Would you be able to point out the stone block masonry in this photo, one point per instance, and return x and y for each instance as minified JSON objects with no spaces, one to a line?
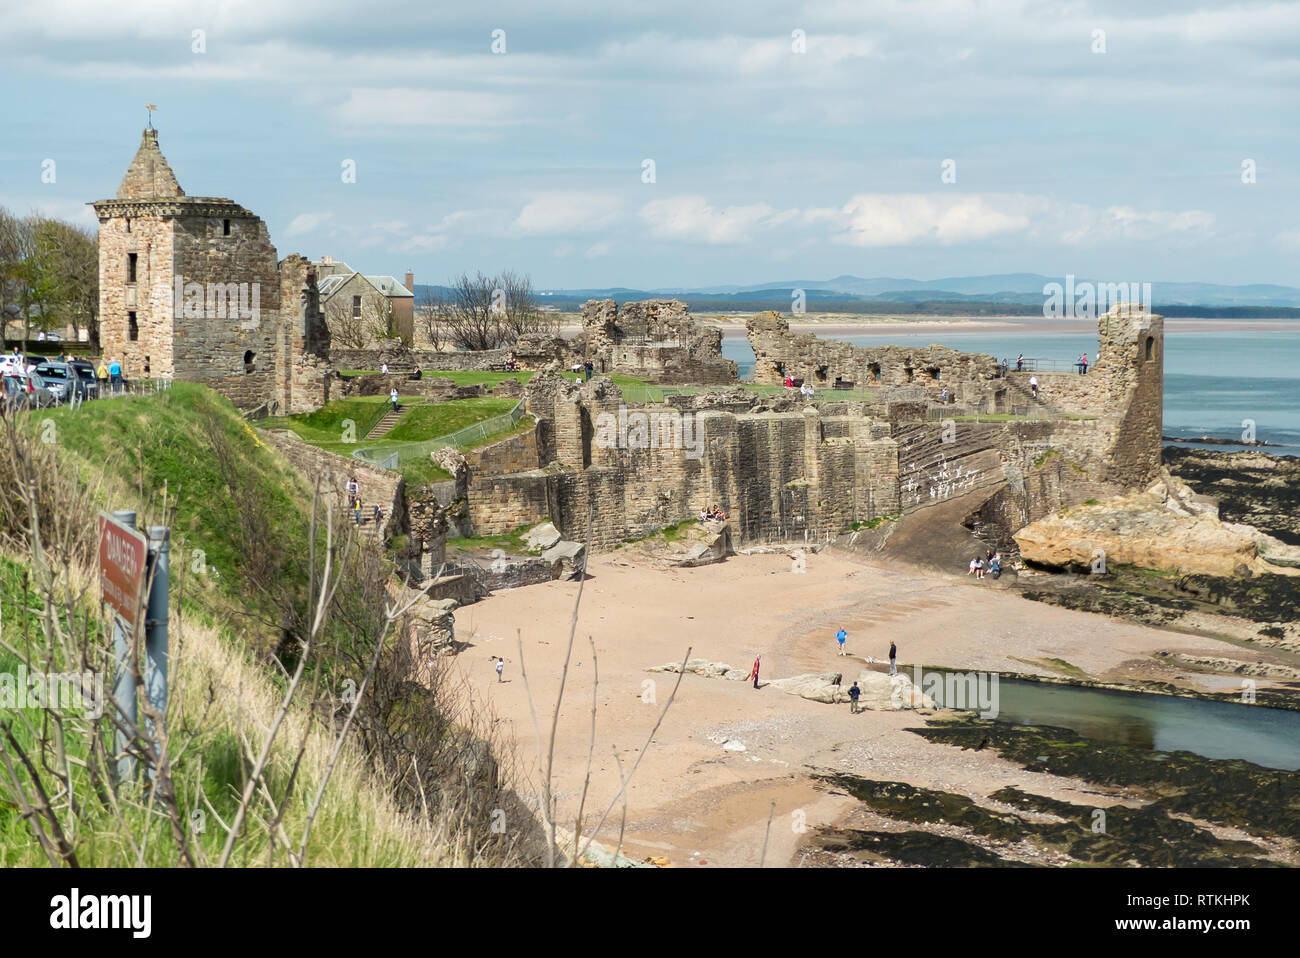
{"x":817,"y":470}
{"x":190,"y":288}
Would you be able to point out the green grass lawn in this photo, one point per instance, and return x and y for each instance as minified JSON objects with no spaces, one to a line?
{"x":430,"y":420}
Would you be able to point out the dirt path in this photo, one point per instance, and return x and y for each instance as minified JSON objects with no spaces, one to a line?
{"x":692,"y":801}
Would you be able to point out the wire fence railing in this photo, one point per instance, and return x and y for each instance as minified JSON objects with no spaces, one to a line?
{"x":108,"y":390}
{"x":392,"y":455}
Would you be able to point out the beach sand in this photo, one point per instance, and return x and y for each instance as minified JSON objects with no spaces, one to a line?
{"x":691,"y":801}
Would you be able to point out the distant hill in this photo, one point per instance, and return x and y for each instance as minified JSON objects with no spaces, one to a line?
{"x":1009,"y":294}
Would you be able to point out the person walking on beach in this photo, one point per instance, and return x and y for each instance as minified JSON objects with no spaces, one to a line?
{"x":893,"y":658}
{"x":841,"y":637}
{"x":500,"y":667}
{"x":753,"y":673}
{"x":854,"y":692}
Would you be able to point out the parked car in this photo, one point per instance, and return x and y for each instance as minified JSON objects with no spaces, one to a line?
{"x":85,"y":371}
{"x":38,"y":394}
{"x":15,"y":394}
{"x":59,"y":379}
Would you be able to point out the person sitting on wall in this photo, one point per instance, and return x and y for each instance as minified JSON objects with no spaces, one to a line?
{"x":789,"y":381}
{"x":416,"y":373}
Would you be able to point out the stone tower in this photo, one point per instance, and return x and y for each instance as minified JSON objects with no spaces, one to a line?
{"x":190,"y":288}
{"x":1131,"y":357}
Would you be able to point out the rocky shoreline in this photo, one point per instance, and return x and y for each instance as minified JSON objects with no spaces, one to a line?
{"x":1193,"y":811}
{"x":1258,"y":609}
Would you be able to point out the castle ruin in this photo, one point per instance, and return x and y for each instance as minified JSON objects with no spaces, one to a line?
{"x":989,"y":460}
{"x":190,"y":288}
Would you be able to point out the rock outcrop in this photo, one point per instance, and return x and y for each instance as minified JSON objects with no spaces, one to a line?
{"x":1166,"y":527}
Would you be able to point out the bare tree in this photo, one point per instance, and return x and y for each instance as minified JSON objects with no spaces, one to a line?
{"x":431,"y":315}
{"x":522,"y":313}
{"x":476,"y":312}
{"x":358,"y":328}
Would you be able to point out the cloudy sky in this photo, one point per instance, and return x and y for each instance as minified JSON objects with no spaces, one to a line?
{"x":593,"y":143}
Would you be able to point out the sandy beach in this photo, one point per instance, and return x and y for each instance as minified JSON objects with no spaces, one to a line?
{"x":693,"y":802}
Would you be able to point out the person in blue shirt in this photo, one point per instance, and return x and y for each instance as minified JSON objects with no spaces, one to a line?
{"x":115,"y":373}
{"x":841,"y":636}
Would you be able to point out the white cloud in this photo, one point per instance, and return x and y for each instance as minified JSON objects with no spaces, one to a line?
{"x":902,"y":219}
{"x":306,"y":223}
{"x":693,"y":219}
{"x":407,"y":107}
{"x":562,"y":212}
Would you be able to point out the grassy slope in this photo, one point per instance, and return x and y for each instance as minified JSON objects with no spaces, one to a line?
{"x":146,"y":444}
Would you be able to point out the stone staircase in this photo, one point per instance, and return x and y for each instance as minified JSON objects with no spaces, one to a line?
{"x":1019,"y":394}
{"x":385,"y":425}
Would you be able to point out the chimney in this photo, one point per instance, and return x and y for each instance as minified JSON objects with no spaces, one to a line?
{"x":329,"y":260}
{"x":410,"y":281}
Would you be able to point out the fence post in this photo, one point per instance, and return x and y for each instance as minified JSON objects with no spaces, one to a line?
{"x":156,"y":616}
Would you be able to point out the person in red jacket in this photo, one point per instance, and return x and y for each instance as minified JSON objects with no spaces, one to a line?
{"x":753,"y":673}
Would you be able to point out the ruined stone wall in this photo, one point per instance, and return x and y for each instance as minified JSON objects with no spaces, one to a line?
{"x":1068,"y":391}
{"x":655,"y":339}
{"x":150,"y":297}
{"x":426,"y":359}
{"x":779,"y":474}
{"x":501,"y":504}
{"x":820,"y":362}
{"x":515,"y":454}
{"x":1132,"y":354}
{"x":213,"y":347}
{"x":378,"y":486}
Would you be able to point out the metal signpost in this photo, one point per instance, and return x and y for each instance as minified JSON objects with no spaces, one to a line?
{"x":126,"y":559}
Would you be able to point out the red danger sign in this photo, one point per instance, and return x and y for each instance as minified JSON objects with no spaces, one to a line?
{"x":122,"y":553}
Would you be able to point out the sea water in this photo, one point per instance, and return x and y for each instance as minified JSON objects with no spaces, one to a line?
{"x":1216,"y":383}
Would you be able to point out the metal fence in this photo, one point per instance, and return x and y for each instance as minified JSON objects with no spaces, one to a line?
{"x":392,"y":455}
{"x":136,"y":387}
{"x":1048,"y":366}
